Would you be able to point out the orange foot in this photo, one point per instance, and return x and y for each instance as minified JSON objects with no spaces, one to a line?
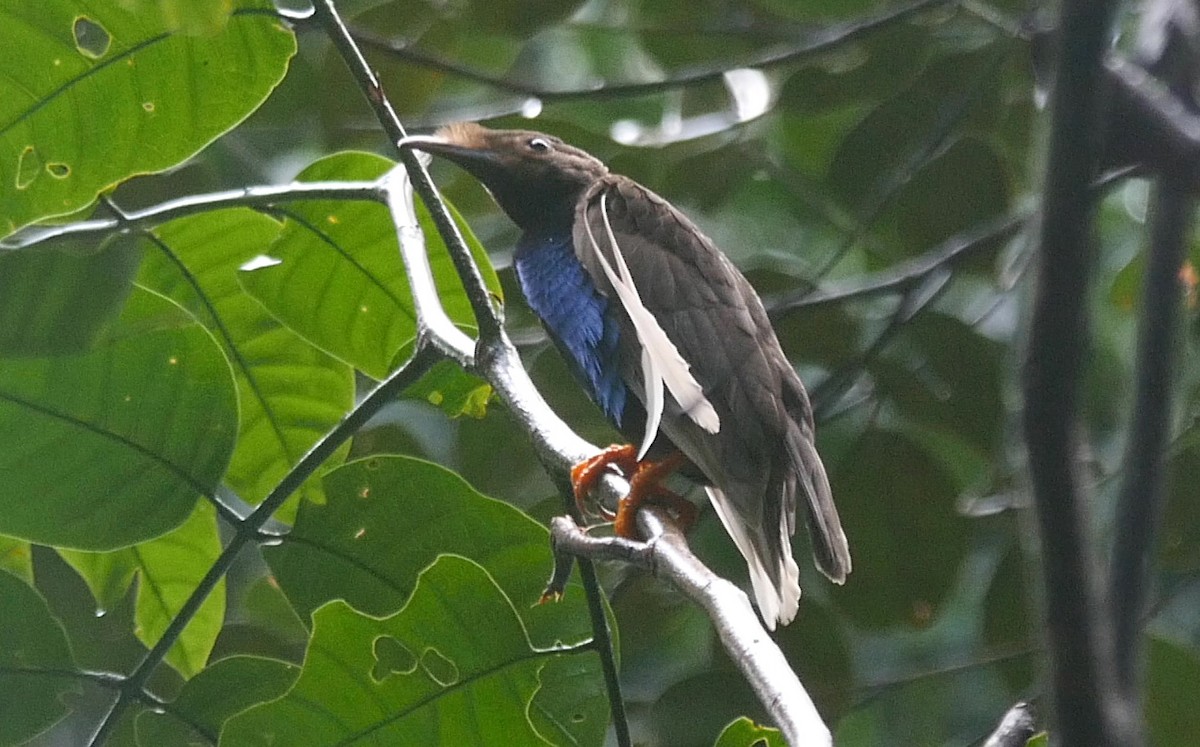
{"x":644,"y":478}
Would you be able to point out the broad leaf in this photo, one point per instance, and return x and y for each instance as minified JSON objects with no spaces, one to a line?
{"x":168,"y":569}
{"x":454,"y":666}
{"x":387,"y":518}
{"x":56,"y":302}
{"x":290,"y":393}
{"x":338,"y":279}
{"x":35,"y":663}
{"x":114,"y":446}
{"x":745,"y":733}
{"x":91,"y":97}
{"x":219,"y":692}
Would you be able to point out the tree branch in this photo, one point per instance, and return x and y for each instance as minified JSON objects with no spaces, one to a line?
{"x":903,"y":275}
{"x":480,"y":299}
{"x":1015,"y":729}
{"x":1085,"y":701}
{"x":666,"y":554}
{"x":820,"y":43}
{"x":1167,"y":45}
{"x":253,"y":197}
{"x":1141,"y":497}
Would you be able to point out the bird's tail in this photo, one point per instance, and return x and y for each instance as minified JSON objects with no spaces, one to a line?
{"x":766,"y":544}
{"x":774,"y":574}
{"x":829,"y":546}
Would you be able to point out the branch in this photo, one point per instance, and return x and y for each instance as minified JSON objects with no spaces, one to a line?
{"x":1015,"y":729}
{"x":666,"y":555}
{"x":820,"y":43}
{"x":480,"y":299}
{"x":496,"y":360}
{"x":1168,"y":46}
{"x":254,"y":197}
{"x":904,"y":275}
{"x":1085,"y":700}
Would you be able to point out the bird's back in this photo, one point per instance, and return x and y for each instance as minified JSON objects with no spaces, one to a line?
{"x":762,"y":458}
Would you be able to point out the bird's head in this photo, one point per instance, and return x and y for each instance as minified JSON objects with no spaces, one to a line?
{"x":535,"y":178}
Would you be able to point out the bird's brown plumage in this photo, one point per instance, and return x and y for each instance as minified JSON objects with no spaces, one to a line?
{"x":763,"y":458}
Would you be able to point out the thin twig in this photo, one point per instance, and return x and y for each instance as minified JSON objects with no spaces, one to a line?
{"x":486,"y":317}
{"x":821,"y":42}
{"x":147,"y":218}
{"x":904,"y":275}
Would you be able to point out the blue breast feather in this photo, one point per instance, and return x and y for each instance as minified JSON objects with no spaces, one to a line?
{"x":560,"y":292}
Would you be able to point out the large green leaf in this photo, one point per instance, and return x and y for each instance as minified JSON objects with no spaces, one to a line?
{"x":290,"y":393}
{"x":339,"y":280}
{"x":387,"y":518}
{"x":91,"y":94}
{"x":169,"y":569}
{"x":454,"y":666}
{"x":113,"y":447}
{"x":35,"y":663}
{"x":226,"y":688}
{"x":54,"y":302}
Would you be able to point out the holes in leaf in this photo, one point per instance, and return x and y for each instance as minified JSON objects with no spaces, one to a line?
{"x":29,"y":165}
{"x":91,"y":39}
{"x":391,"y":657}
{"x":440,"y":669}
{"x":58,"y":170}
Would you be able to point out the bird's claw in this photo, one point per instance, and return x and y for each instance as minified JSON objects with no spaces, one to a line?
{"x":644,"y":485}
{"x":586,"y":475}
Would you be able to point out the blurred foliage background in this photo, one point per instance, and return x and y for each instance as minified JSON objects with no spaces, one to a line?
{"x":873,"y":168}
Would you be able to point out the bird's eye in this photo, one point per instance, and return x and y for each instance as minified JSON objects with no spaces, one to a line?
{"x":539,"y":144}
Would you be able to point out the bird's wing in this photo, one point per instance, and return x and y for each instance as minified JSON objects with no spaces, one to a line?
{"x":661,"y":363}
{"x":715,"y":322}
{"x":699,"y":302}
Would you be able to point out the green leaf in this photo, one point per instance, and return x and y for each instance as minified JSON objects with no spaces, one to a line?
{"x":16,"y":558}
{"x":386,"y":518}
{"x":960,"y":188}
{"x":222,"y":690}
{"x":169,"y":569}
{"x":745,"y":733}
{"x":339,"y":280}
{"x":290,"y":393}
{"x":35,"y":663}
{"x":455,"y":391}
{"x":113,"y":447}
{"x":454,"y":666}
{"x":56,"y":302}
{"x":1172,"y":672}
{"x":113,"y":75}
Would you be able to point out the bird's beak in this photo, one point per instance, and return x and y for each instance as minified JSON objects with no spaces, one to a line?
{"x":465,"y":156}
{"x":427,"y":143}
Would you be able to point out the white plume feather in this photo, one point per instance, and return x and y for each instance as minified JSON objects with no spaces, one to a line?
{"x":661,"y":361}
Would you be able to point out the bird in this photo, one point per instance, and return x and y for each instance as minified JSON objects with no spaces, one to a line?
{"x":671,"y":342}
